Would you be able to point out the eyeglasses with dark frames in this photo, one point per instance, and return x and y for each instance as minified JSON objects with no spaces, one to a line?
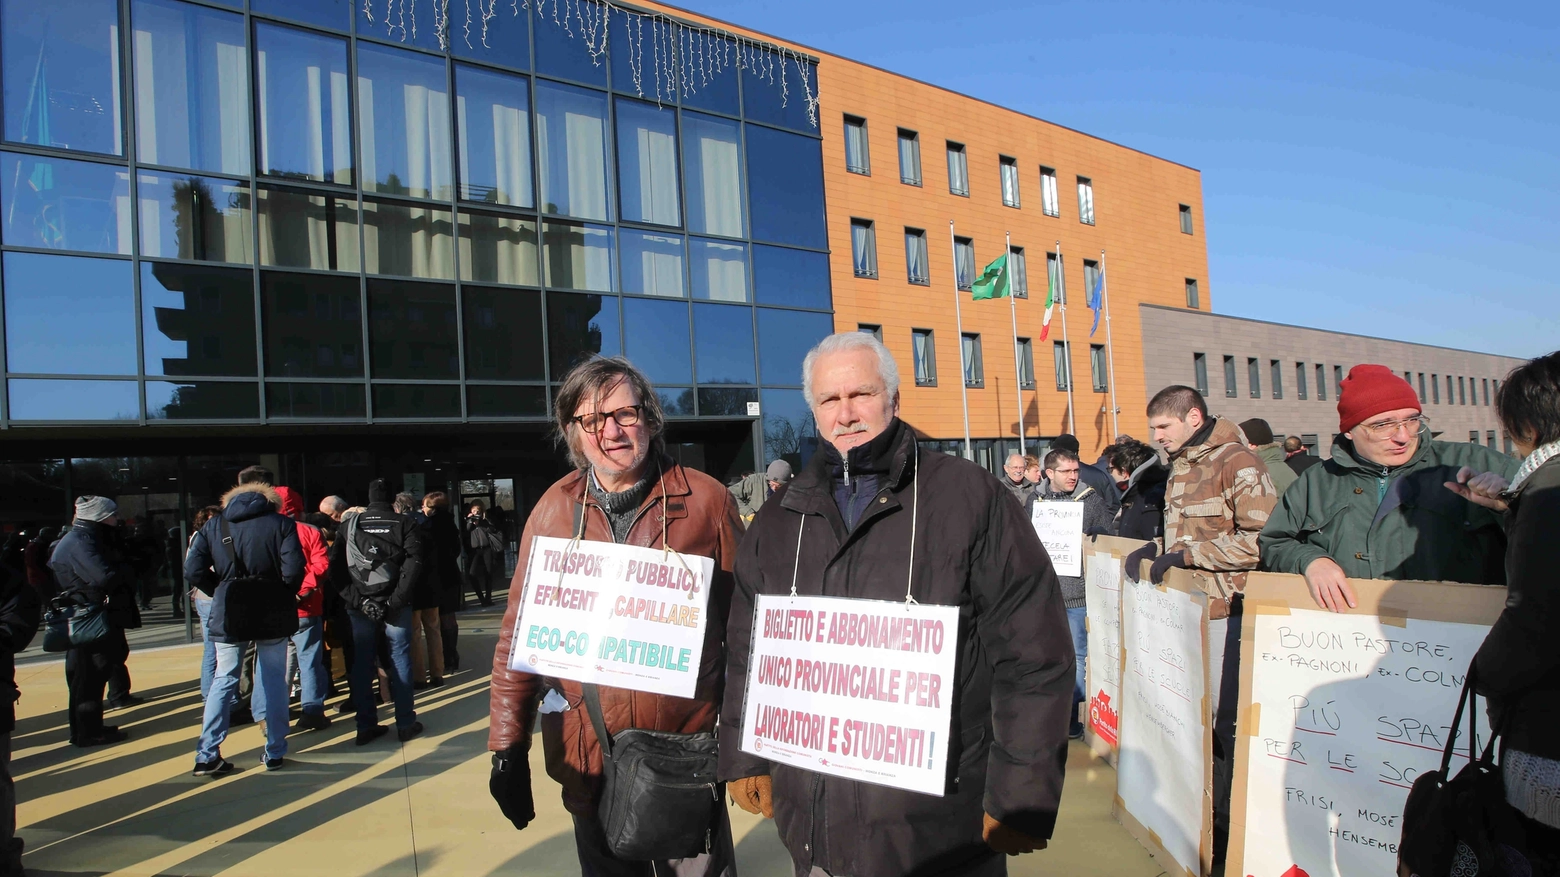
{"x":592,"y":423}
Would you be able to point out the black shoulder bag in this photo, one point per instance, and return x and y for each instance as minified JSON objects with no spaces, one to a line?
{"x":1462,"y":825}
{"x":660,"y":794}
{"x":255,"y":607}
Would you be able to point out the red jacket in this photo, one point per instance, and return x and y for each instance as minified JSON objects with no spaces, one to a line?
{"x":311,"y":600}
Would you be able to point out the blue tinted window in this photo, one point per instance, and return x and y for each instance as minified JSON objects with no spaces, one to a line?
{"x":723,"y":344}
{"x":191,"y":87}
{"x":790,"y":433}
{"x":571,"y":142}
{"x":64,"y":205}
{"x":493,"y":118}
{"x":577,"y":256}
{"x":313,"y":325}
{"x":334,"y":401}
{"x":403,"y":123}
{"x":714,"y":86}
{"x":69,"y":315}
{"x":712,"y":169}
{"x":718,"y":269}
{"x":189,"y":217}
{"x":411,"y":330}
{"x":791,"y":277}
{"x":500,"y":37}
{"x":334,"y":14}
{"x":503,"y":334}
{"x":652,"y":263}
{"x":647,"y":163}
{"x":487,"y":400}
{"x":416,"y":400}
{"x":785,"y":187}
{"x":197,"y":320}
{"x":61,"y":73}
{"x":656,"y":339}
{"x":202,"y":400}
{"x":784,"y":337}
{"x":676,"y":401}
{"x":74,"y":400}
{"x":305,"y":105}
{"x":579,"y":327}
{"x":725,"y":401}
{"x":763,"y":99}
{"x":562,"y":44}
{"x":401,"y":21}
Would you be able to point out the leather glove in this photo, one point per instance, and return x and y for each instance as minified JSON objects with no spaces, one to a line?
{"x":1134,"y":561}
{"x":510,"y":786}
{"x":754,"y":794}
{"x":373,"y":610}
{"x":1006,"y":840}
{"x":1164,"y":563}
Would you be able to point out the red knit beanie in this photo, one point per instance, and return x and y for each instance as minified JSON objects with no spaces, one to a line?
{"x":1370,"y":390}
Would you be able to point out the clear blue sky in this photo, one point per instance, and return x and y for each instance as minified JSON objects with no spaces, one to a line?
{"x":1386,"y":168}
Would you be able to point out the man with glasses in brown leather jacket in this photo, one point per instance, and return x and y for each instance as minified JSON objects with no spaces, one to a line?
{"x":624,"y":490}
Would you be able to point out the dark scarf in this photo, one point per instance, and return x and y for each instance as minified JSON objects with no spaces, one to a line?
{"x":622,"y":507}
{"x":857,"y":475}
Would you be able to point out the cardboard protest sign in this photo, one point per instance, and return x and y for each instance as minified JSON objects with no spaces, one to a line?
{"x":1163,"y":768}
{"x":860,"y":689}
{"x":1060,"y":527}
{"x":1102,"y":577}
{"x":1340,"y":712}
{"x":617,"y":615}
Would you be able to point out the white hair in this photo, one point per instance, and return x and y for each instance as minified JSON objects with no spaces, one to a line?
{"x":841,"y":342}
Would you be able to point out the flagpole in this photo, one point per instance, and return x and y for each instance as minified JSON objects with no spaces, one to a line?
{"x":964,"y":392}
{"x":1061,"y":273}
{"x":1110,"y":354}
{"x":1018,"y":374}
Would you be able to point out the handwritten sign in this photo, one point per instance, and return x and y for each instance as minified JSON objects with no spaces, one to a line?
{"x":1102,"y":576}
{"x":1340,"y":713}
{"x":1163,"y":768}
{"x":860,"y":689}
{"x":618,"y":615}
{"x":1060,"y":527}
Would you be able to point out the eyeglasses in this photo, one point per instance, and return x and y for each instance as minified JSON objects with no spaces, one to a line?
{"x":1388,"y":428}
{"x":628,"y":415}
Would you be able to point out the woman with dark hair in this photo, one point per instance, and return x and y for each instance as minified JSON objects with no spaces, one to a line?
{"x":1518,"y":666}
{"x":1142,"y":512}
{"x":442,"y":579}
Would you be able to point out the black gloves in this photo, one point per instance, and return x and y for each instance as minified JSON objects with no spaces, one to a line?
{"x":510,"y":786}
{"x":1162,"y":565}
{"x":1134,"y":561}
{"x":373,"y":610}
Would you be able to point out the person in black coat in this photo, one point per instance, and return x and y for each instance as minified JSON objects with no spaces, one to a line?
{"x":90,"y":571}
{"x":1297,"y":457}
{"x":441,"y":537}
{"x":1142,"y":513}
{"x":1091,"y":475}
{"x":19,"y":610}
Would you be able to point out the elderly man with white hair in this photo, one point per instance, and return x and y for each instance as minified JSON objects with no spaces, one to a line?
{"x":844,"y":527}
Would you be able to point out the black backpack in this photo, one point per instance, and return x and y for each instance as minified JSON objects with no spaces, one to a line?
{"x":256,"y":607}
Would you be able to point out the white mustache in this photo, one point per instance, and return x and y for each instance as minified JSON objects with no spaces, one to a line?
{"x":847,"y":430}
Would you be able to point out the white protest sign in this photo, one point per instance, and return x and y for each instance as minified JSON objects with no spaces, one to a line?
{"x":1162,"y":768}
{"x":1060,"y":527}
{"x":1340,"y":713}
{"x":1102,"y":576}
{"x":617,"y":615}
{"x":860,"y":689}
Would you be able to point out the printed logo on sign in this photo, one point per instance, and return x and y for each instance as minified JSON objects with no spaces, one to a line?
{"x":1103,"y":718}
{"x":531,"y":660}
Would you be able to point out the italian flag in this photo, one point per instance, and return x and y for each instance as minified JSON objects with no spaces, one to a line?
{"x":1050,"y":304}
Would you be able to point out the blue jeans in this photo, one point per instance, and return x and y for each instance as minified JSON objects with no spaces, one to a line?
{"x":309,"y":642}
{"x":268,"y":700}
{"x":1077,"y":623}
{"x":208,"y":657}
{"x":398,"y":631}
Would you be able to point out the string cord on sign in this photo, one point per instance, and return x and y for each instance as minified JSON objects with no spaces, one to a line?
{"x":915,"y":509}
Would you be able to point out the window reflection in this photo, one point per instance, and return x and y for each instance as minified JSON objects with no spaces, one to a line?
{"x":561,"y":48}
{"x":579,"y":327}
{"x":763,"y":100}
{"x":571,"y":142}
{"x":790,"y":433}
{"x":723,"y":344}
{"x":200,"y":218}
{"x":676,"y":401}
{"x":300,"y":229}
{"x":73,"y":400}
{"x":494,"y":114}
{"x":204,"y":400}
{"x":197,"y":320}
{"x":335,"y":14}
{"x":798,"y":278}
{"x":712,"y":163}
{"x":718,"y":91}
{"x":191,"y":87}
{"x":403,"y":123}
{"x":304,"y":105}
{"x":416,"y":400}
{"x":502,"y":39}
{"x":719,"y":270}
{"x":313,"y":325}
{"x":497,"y":249}
{"x":407,"y":240}
{"x":486,"y":400}
{"x":647,"y":163}
{"x":577,"y":256}
{"x":725,"y":401}
{"x":60,"y":204}
{"x":62,"y":74}
{"x":69,"y":315}
{"x":503,"y":334}
{"x":411,"y":330}
{"x":784,"y":337}
{"x":656,"y":339}
{"x":785,"y":185}
{"x":315,"y":400}
{"x":652,"y":263}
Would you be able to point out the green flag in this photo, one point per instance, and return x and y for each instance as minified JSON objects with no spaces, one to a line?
{"x":993,"y":282}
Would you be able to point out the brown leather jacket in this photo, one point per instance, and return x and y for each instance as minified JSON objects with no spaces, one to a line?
{"x":701,"y":519}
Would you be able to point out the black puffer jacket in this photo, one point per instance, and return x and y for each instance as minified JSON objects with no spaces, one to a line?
{"x":266,"y":540}
{"x":1142,"y":513}
{"x":19,"y":610}
{"x":973,"y":550}
{"x":90,"y":569}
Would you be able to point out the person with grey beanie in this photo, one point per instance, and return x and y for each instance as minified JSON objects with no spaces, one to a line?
{"x":752,"y":490}
{"x":90,"y":571}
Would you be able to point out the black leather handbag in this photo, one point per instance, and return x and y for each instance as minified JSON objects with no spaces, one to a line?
{"x":67,"y":625}
{"x":255,"y":607}
{"x":661,"y":797}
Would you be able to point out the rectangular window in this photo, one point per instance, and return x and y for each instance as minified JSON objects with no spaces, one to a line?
{"x":1300,"y":382}
{"x":1276,"y":373}
{"x":1489,"y":439}
{"x":1485,"y":383}
{"x":1009,"y":168}
{"x":718,"y":270}
{"x":915,"y":257}
{"x":1422,"y":399}
{"x":974,"y":367}
{"x":925,"y":353}
{"x":909,"y":158}
{"x":712,"y":174}
{"x":652,"y":264}
{"x":1186,"y":219}
{"x":857,"y":160}
{"x":1050,"y":204}
{"x":1338,"y":379}
{"x":304,"y":112}
{"x":1229,"y":377}
{"x":191,"y":87}
{"x":1193,"y":300}
{"x":1310,"y":441}
{"x":404,"y":126}
{"x":964,"y":261}
{"x":571,"y":151}
{"x":1053,"y":274}
{"x":1091,"y":276}
{"x":647,"y":163}
{"x":873,"y":330}
{"x":493,"y":124}
{"x":958,"y":170}
{"x":1462,"y":392}
{"x":305,"y":229}
{"x":1435,"y":389}
{"x":1099,"y":369}
{"x":1473,"y":436}
{"x":62,"y":76}
{"x":863,"y":247}
{"x":1018,"y":271}
{"x":1450,"y":398}
{"x":1321,"y":382}
{"x":1063,"y":367}
{"x":1085,"y":201}
{"x":1254,"y":377}
{"x":1200,"y":372}
{"x":198,"y":218}
{"x":1026,"y":364}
